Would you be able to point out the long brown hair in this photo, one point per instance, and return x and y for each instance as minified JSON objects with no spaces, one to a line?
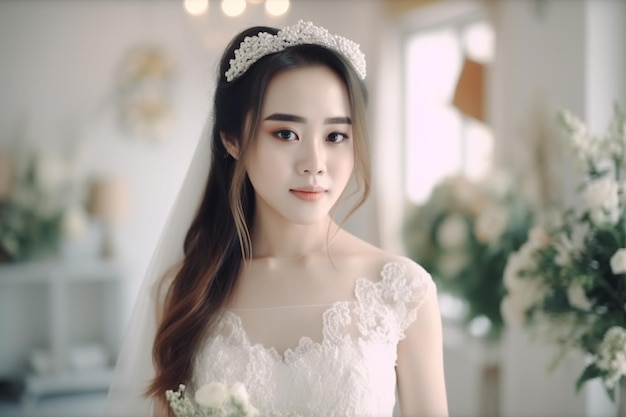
{"x":218,"y":240}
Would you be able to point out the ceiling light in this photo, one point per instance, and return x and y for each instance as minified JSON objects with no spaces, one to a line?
{"x":196,"y":7}
{"x":276,"y":7}
{"x":233,"y":8}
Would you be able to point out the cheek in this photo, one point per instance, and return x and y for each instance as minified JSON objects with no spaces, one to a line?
{"x":344,"y":163}
{"x":265,"y":163}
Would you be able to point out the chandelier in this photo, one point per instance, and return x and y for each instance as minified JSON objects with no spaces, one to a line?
{"x":234,"y":8}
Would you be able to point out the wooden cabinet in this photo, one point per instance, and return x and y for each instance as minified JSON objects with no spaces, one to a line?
{"x":63,"y":318}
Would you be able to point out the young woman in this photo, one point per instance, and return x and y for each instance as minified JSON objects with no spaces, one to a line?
{"x":268,"y":289}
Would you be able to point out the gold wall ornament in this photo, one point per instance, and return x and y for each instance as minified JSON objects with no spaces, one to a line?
{"x":144,"y":83}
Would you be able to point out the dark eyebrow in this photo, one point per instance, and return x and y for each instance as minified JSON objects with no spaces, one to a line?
{"x":338,"y":121}
{"x":282,"y":117}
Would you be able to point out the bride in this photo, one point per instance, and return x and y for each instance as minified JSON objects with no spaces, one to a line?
{"x":254,"y":281}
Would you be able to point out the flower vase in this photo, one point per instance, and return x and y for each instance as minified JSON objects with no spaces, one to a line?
{"x":621,"y":400}
{"x":598,"y":402}
{"x":490,"y":375}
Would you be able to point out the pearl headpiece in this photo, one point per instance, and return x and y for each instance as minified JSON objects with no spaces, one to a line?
{"x":256,"y":47}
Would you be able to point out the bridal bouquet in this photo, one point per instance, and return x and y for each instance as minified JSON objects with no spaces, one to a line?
{"x":214,"y":399}
{"x":567,"y":283}
{"x":463,"y":235}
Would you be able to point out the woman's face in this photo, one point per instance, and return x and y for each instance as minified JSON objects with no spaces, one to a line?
{"x":303,"y":154}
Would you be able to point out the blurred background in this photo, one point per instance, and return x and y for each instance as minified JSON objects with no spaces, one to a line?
{"x":101,"y":106}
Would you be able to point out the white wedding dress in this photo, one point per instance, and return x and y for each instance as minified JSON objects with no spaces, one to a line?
{"x":319,"y":360}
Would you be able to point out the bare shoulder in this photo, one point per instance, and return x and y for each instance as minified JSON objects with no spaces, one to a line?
{"x":370,"y":260}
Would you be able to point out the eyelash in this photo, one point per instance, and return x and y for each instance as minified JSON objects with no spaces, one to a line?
{"x":279,"y":134}
{"x":344,"y":137}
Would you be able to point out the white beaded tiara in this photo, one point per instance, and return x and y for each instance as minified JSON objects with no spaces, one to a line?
{"x":256,"y":47}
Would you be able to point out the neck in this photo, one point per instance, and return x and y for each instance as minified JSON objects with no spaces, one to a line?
{"x":293,"y":240}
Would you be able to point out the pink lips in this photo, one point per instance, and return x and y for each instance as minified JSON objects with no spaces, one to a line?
{"x":308,"y":193}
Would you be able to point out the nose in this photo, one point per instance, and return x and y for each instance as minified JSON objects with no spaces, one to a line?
{"x":313,"y":158}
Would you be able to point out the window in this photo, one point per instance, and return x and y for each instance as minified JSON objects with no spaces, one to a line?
{"x":440,"y":141}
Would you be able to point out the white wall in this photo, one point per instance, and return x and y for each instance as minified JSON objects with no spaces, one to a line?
{"x":606,"y":60}
{"x":59,"y":60}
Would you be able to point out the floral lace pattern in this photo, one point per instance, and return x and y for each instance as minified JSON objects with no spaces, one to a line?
{"x":350,"y":372}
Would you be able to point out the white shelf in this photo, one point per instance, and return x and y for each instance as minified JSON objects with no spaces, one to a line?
{"x":55,"y":306}
{"x":37,"y":386}
{"x":92,"y":270}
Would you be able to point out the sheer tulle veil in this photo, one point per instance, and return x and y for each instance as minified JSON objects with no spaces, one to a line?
{"x":134,"y":369}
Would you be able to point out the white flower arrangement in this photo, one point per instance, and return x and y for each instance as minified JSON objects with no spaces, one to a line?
{"x":463,"y":235}
{"x":214,"y":399}
{"x":567,"y":283}
{"x":39,"y":205}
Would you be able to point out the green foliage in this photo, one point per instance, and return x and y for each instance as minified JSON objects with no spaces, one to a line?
{"x":463,"y":235}
{"x":580,"y":263}
{"x":30,"y":218}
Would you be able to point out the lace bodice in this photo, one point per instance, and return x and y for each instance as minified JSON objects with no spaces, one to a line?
{"x":348,"y":369}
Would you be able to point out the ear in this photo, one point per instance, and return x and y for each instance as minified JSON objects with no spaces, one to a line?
{"x":231,"y":145}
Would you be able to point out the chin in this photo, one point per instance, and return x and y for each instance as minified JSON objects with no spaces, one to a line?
{"x":308,"y":218}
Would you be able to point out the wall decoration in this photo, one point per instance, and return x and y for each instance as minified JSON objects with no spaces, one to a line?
{"x":144,"y":93}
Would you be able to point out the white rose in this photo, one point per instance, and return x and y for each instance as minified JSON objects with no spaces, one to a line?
{"x":252,"y":411}
{"x":239,"y":392}
{"x":491,"y":223}
{"x":212,"y":395}
{"x":576,"y":297}
{"x":602,"y":200}
{"x":517,"y":262}
{"x":618,"y":261}
{"x":601,"y":216}
{"x":452,"y":232}
{"x":523,"y":291}
{"x":537,"y":238}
